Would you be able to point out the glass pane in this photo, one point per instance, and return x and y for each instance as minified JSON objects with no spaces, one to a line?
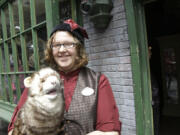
{"x":171,"y":75}
{"x":7,"y":21}
{"x":42,"y":36}
{"x":14,"y":60}
{"x":1,"y":91}
{"x":40,"y":10}
{"x":27,"y":17}
{"x":5,"y":67}
{"x":7,"y":88}
{"x":0,"y":29}
{"x":19,"y":57}
{"x":3,"y":58}
{"x":13,"y":80}
{"x":21,"y":80}
{"x":16,"y":16}
{"x":19,"y":54}
{"x":9,"y":58}
{"x":65,"y":9}
{"x":4,"y":80}
{"x":29,"y":44}
{"x":11,"y":61}
{"x":17,"y":80}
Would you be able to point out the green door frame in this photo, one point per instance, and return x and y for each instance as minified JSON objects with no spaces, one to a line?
{"x":140,"y":66}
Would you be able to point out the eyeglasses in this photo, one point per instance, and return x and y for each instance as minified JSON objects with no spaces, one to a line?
{"x":65,"y":45}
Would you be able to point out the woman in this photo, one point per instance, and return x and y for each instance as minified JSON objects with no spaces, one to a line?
{"x":90,"y":107}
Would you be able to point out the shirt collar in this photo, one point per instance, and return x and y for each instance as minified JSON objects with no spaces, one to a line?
{"x":69,"y":74}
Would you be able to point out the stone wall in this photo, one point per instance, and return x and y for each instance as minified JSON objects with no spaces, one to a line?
{"x":109,"y":52}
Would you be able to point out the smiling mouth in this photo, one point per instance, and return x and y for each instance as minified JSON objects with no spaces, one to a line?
{"x":63,"y":57}
{"x":51,"y":92}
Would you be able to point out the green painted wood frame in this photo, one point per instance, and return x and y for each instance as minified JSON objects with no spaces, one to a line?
{"x":52,"y":19}
{"x":140,"y":66}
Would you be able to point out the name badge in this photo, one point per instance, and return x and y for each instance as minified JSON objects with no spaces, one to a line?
{"x":87,"y":91}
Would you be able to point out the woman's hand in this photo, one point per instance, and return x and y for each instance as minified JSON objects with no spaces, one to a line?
{"x":10,"y":132}
{"x":103,"y":133}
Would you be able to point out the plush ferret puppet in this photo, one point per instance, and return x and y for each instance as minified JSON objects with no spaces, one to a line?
{"x":42,"y":113}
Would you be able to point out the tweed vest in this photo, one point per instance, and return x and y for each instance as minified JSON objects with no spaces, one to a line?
{"x":81,"y":115}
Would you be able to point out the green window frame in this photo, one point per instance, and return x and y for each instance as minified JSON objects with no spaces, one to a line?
{"x":9,"y":48}
{"x":140,"y":65}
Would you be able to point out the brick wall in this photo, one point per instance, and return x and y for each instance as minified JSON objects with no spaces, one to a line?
{"x":109,"y":52}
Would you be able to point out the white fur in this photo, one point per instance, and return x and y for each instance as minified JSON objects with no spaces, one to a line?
{"x":39,"y":90}
{"x":43,"y":111}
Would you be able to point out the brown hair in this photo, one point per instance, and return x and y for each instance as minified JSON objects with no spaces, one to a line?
{"x":82,"y":56}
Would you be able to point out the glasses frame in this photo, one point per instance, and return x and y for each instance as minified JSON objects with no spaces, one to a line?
{"x":65,"y":45}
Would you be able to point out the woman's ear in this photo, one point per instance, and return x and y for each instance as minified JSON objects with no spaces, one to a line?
{"x":27,"y":82}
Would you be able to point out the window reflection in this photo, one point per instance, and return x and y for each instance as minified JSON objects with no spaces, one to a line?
{"x":11,"y":58}
{"x":27,"y":15}
{"x":30,"y":51}
{"x":42,"y":38}
{"x":7,"y":57}
{"x":1,"y":91}
{"x":16,"y":16}
{"x":171,"y":75}
{"x":3,"y":58}
{"x":17,"y":80}
{"x":40,"y":10}
{"x":19,"y":53}
{"x":0,"y":30}
{"x":41,"y":47}
{"x":65,"y":9}
{"x":7,"y":87}
{"x":7,"y":21}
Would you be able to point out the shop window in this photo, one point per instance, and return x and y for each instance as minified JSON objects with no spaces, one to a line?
{"x":65,"y":9}
{"x":24,"y":29}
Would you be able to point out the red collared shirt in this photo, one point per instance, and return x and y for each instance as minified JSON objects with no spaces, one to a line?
{"x":107,"y":111}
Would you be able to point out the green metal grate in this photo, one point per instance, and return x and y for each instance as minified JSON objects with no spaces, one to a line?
{"x":25,"y":26}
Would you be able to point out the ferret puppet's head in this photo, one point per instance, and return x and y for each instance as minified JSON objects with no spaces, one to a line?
{"x":46,"y":90}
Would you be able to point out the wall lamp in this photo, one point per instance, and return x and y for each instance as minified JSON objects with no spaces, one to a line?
{"x":98,"y":11}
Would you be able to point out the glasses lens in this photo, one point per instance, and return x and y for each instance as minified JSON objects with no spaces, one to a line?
{"x":65,"y":45}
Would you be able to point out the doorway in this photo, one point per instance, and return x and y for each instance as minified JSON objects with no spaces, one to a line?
{"x":163,"y":34}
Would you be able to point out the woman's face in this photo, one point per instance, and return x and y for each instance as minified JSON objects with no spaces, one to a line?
{"x":64,"y":57}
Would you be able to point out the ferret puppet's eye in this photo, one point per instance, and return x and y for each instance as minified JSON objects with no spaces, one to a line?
{"x":42,"y":80}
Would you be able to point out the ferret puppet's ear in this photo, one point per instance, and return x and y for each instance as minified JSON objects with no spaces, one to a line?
{"x":27,"y":82}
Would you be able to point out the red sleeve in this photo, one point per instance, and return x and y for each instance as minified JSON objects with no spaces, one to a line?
{"x":107,"y":111}
{"x":18,"y":107}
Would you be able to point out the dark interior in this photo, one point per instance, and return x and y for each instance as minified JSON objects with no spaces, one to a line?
{"x":162,"y":19}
